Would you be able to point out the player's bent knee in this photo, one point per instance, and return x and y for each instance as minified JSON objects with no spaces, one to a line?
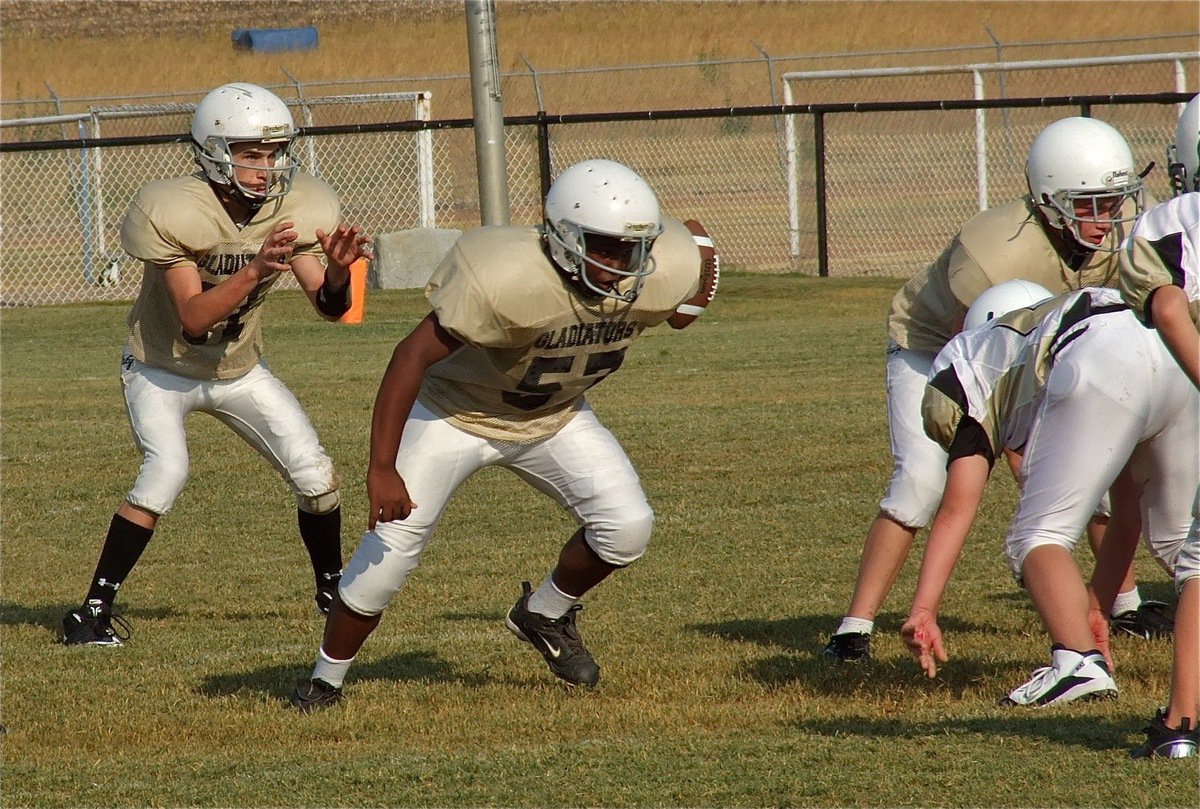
{"x":319,"y":503}
{"x":375,"y":573}
{"x":911,"y":503}
{"x":1017,"y":550}
{"x":624,"y":541}
{"x":312,"y":475}
{"x":158,"y":487}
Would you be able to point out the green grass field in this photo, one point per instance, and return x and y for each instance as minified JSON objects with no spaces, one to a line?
{"x":760,"y":437}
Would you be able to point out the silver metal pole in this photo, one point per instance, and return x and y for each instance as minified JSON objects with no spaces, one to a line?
{"x":488,"y":112}
{"x":981,"y":163}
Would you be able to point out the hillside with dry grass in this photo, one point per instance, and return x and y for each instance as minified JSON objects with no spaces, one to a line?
{"x":78,"y":49}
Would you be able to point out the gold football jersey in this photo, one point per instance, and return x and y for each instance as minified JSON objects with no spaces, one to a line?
{"x":180,"y":221}
{"x":532,"y":343}
{"x":996,"y":245}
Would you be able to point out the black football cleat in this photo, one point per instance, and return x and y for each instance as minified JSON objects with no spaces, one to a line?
{"x":556,"y":638}
{"x":92,"y":625}
{"x":314,"y":695}
{"x":848,"y":647}
{"x":1164,"y":742}
{"x":1150,"y":621}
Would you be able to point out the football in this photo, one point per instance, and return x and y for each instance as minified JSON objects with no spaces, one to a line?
{"x":710,"y":277}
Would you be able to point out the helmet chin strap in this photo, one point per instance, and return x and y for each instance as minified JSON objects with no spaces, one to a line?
{"x":1055,"y":219}
{"x":231,"y":194}
{"x":1072,"y":249}
{"x":576,"y":272}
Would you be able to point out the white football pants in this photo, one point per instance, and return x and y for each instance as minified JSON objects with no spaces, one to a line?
{"x":919,"y":462}
{"x":582,"y":467}
{"x":256,"y":406}
{"x":1113,"y":396}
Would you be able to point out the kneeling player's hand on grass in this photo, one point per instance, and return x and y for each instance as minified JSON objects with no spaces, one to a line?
{"x":923,"y":637}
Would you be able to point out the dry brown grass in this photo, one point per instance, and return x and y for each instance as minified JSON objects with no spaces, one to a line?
{"x":134,"y":47}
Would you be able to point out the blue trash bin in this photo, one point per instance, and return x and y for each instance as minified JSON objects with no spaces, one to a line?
{"x":272,"y":40}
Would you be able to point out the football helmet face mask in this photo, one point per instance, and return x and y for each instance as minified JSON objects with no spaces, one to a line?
{"x":1003,"y":298}
{"x":240,"y":113}
{"x":1080,"y":172}
{"x":1183,"y":156}
{"x":605,"y":202}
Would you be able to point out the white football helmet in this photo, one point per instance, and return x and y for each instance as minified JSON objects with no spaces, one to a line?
{"x":605,"y":198}
{"x":1183,"y":156}
{"x":241,"y":112}
{"x":1082,"y":159}
{"x":1003,"y":298}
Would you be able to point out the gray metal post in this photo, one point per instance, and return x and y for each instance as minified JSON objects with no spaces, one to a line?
{"x":488,"y":112}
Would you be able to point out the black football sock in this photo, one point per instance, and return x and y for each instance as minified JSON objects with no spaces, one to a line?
{"x":322,"y":535}
{"x":122,"y":548}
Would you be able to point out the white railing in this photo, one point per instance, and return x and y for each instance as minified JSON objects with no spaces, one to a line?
{"x":978,"y":74}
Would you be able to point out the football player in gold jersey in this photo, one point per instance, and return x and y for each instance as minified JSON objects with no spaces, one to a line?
{"x":213,"y":244}
{"x":524,"y":321}
{"x":1084,"y":192}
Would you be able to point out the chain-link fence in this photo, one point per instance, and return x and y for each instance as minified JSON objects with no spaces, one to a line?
{"x":708,"y":81}
{"x":878,"y":190}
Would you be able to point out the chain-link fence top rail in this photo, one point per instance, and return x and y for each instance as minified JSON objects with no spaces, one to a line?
{"x":705,"y":82}
{"x":898,"y":183}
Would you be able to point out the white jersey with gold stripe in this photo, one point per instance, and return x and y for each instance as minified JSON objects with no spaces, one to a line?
{"x":1164,"y":250}
{"x":532,"y":342}
{"x":995,"y":374}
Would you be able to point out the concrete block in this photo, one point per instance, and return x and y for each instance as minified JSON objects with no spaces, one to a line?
{"x":404,"y":259}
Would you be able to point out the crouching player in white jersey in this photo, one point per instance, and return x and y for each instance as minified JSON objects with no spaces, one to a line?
{"x":213,"y":244}
{"x":1107,"y":402}
{"x":524,"y":321}
{"x":1084,"y":192}
{"x":1160,"y":279}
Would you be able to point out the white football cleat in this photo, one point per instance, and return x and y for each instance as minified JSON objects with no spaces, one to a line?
{"x":1072,"y":675}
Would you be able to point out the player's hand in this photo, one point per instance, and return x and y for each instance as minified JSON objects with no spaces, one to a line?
{"x":344,"y":246}
{"x":388,"y":497}
{"x":276,"y":251}
{"x":923,"y":637}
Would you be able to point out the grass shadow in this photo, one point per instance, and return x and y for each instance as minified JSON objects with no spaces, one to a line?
{"x":416,"y":666}
{"x":49,"y":616}
{"x":877,"y":676}
{"x":809,"y":633}
{"x":803,"y":637}
{"x":483,"y":616}
{"x":1099,"y":733}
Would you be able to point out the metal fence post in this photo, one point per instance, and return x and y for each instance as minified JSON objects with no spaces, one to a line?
{"x":98,"y":208}
{"x":425,"y":189}
{"x":306,"y":115}
{"x":491,"y":165}
{"x":793,"y":191}
{"x":981,"y":175}
{"x":822,"y":228}
{"x":83,"y":199}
